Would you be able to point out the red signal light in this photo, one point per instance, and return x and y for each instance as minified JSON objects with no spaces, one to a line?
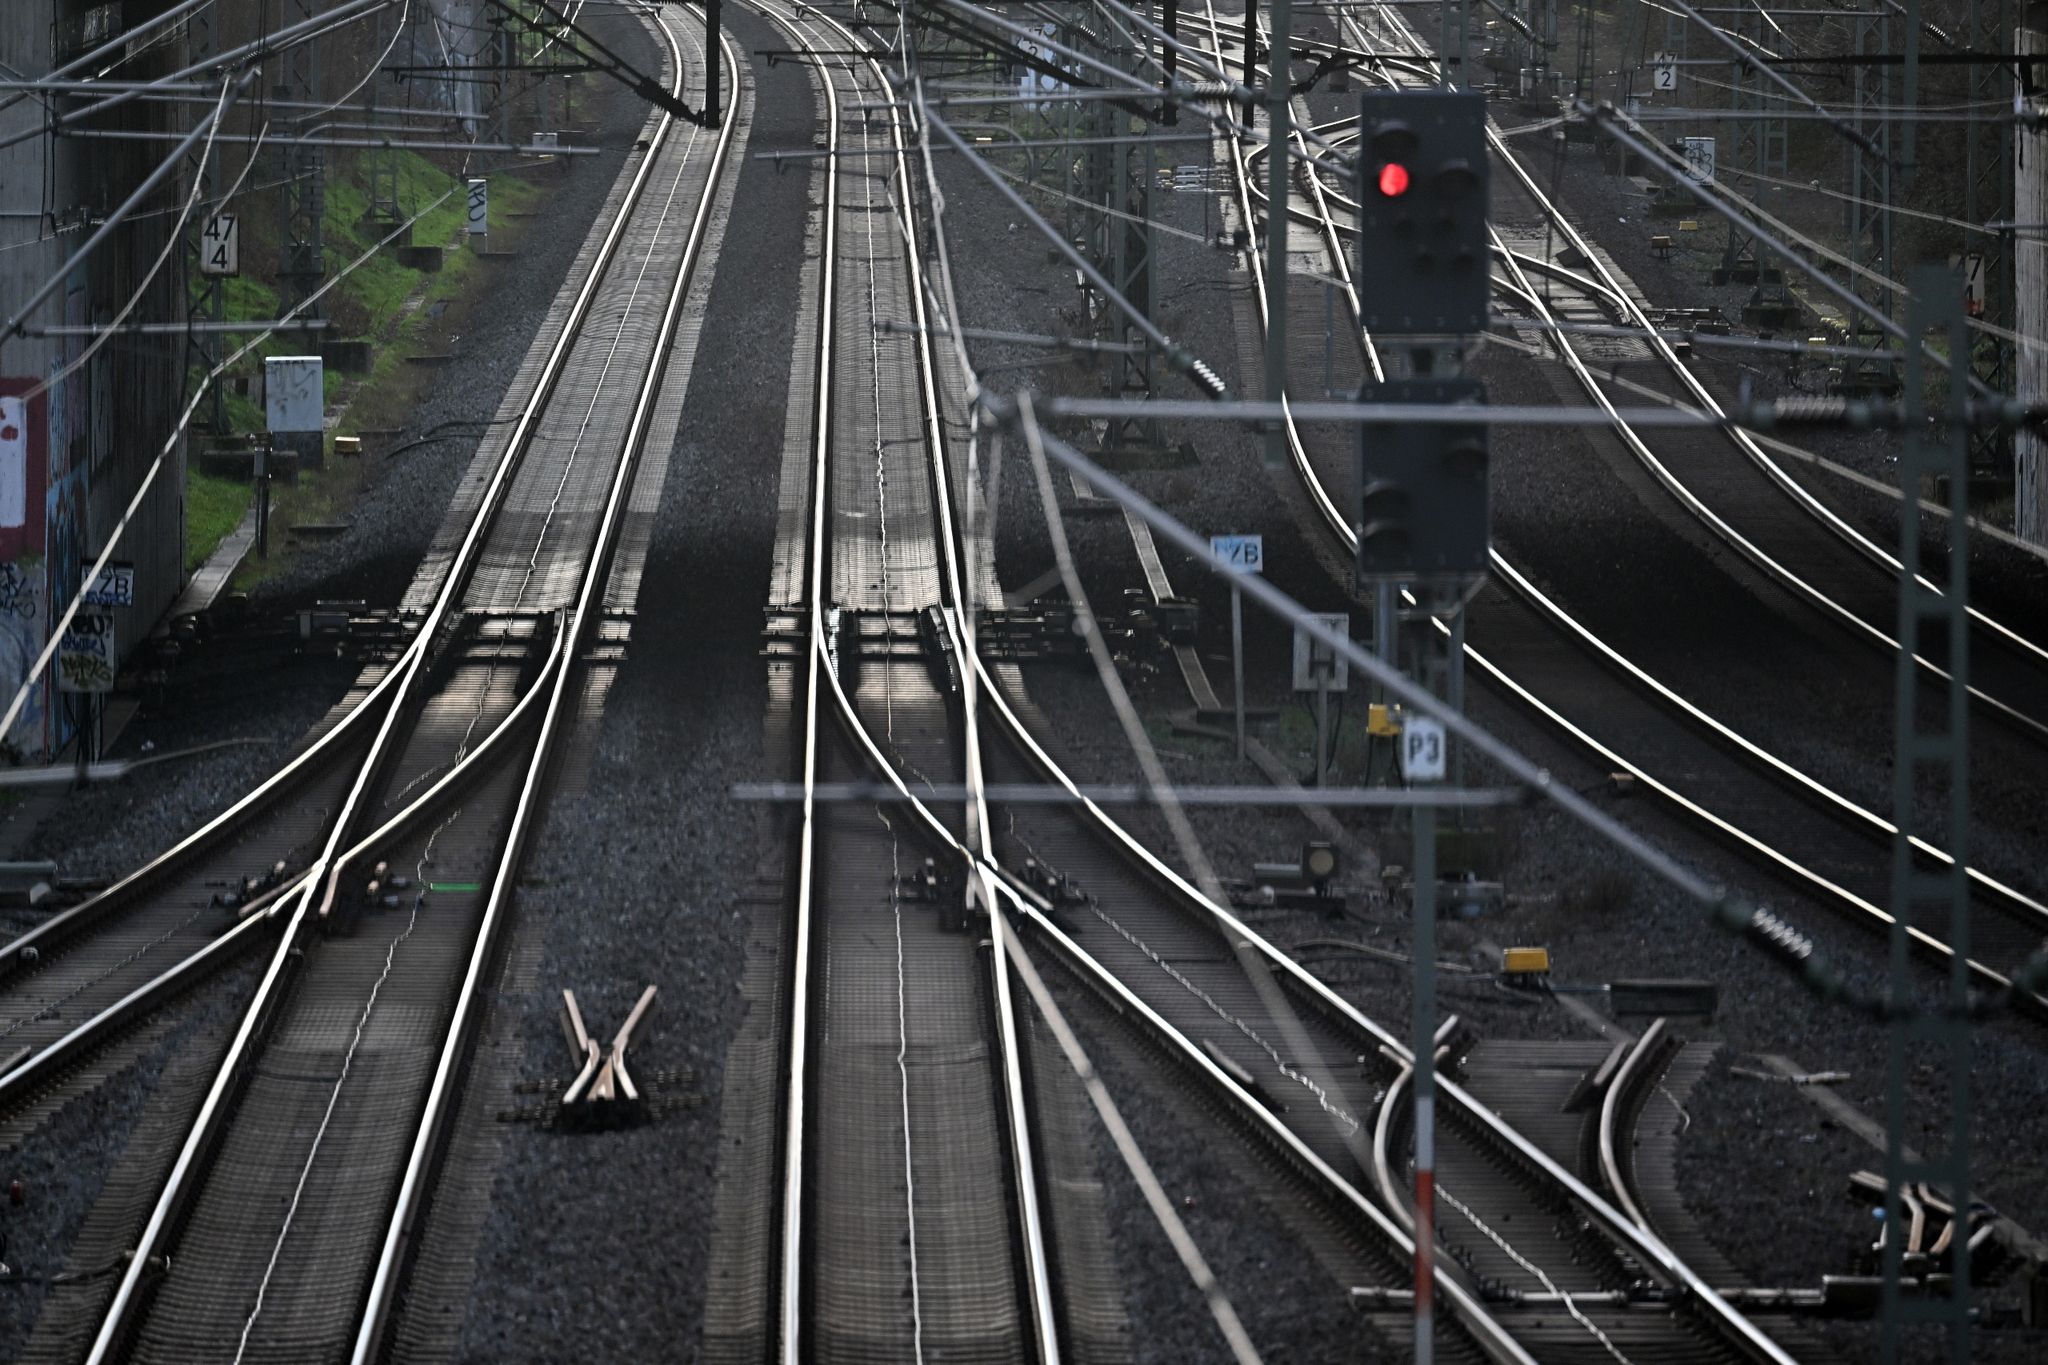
{"x":1393,"y":180}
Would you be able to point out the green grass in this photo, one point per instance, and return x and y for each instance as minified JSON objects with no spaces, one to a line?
{"x":213,"y":507}
{"x":248,"y":297}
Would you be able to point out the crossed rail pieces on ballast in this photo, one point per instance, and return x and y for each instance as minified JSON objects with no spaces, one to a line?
{"x":603,"y":1094}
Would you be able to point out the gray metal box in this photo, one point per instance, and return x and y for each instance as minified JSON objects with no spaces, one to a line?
{"x":294,"y":396}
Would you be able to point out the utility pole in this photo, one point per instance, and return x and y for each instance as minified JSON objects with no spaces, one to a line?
{"x":304,"y":174}
{"x":1988,"y":197}
{"x":383,"y":161}
{"x":1129,"y":257}
{"x":1931,"y":758}
{"x":1278,"y":167}
{"x":207,"y":296}
{"x":1870,"y":197}
{"x":2030,"y":288}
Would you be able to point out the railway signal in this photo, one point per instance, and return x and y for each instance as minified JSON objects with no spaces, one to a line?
{"x":1422,"y":500}
{"x":1423,"y":254}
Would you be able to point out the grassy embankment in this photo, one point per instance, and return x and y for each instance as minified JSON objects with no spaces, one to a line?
{"x":371,"y":301}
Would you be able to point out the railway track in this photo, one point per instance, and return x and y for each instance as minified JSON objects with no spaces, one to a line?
{"x":903,"y":1228}
{"x":1811,"y":837}
{"x":1149,"y":904}
{"x":78,"y":984}
{"x":286,"y":1224}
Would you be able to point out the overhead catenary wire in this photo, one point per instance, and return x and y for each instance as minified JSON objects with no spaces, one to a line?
{"x":171,"y":244}
{"x":271,"y":43}
{"x":113,"y":221}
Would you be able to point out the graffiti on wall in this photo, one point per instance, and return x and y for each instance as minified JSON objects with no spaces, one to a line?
{"x":68,"y":462}
{"x":21,"y":639}
{"x":24,"y":445}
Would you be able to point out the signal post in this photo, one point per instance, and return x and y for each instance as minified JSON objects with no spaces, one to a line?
{"x":1425,"y":266}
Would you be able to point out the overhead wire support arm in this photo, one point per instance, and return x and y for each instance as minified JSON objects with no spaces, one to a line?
{"x":624,"y":72}
{"x":255,"y":50}
{"x":106,"y":229}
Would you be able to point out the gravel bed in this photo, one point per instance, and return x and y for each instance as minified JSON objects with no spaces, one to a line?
{"x":597,"y":1246}
{"x":1285,"y":1288}
{"x":64,"y":1164}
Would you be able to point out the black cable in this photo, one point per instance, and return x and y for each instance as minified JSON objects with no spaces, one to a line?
{"x":435,"y":433}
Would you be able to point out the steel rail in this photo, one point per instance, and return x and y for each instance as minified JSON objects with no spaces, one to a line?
{"x":2011,"y":900}
{"x":1987,"y":976}
{"x":1488,"y":1333}
{"x":2008,"y":899}
{"x":790,"y":1335}
{"x":44,"y":1065}
{"x":1391,"y":1188}
{"x":1495,"y":1340}
{"x":1656,"y":1256}
{"x":960,"y":627}
{"x":1619,"y":303}
{"x":588,"y":614}
{"x":1383,"y":1150}
{"x":1469,"y":1310}
{"x":1650,"y":1251}
{"x":1044,"y":1316}
{"x":14,"y":957}
{"x":181,"y":1181}
{"x":1638,"y":1069}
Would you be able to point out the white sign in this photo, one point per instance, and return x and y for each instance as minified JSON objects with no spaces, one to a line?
{"x":85,"y":656}
{"x":1664,"y":75}
{"x":220,"y":245}
{"x":1316,"y":665}
{"x":13,"y":462}
{"x":1422,"y":749}
{"x":294,"y":394}
{"x":115,"y":587}
{"x":1244,"y":554}
{"x":479,"y":208}
{"x":1699,"y":158}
